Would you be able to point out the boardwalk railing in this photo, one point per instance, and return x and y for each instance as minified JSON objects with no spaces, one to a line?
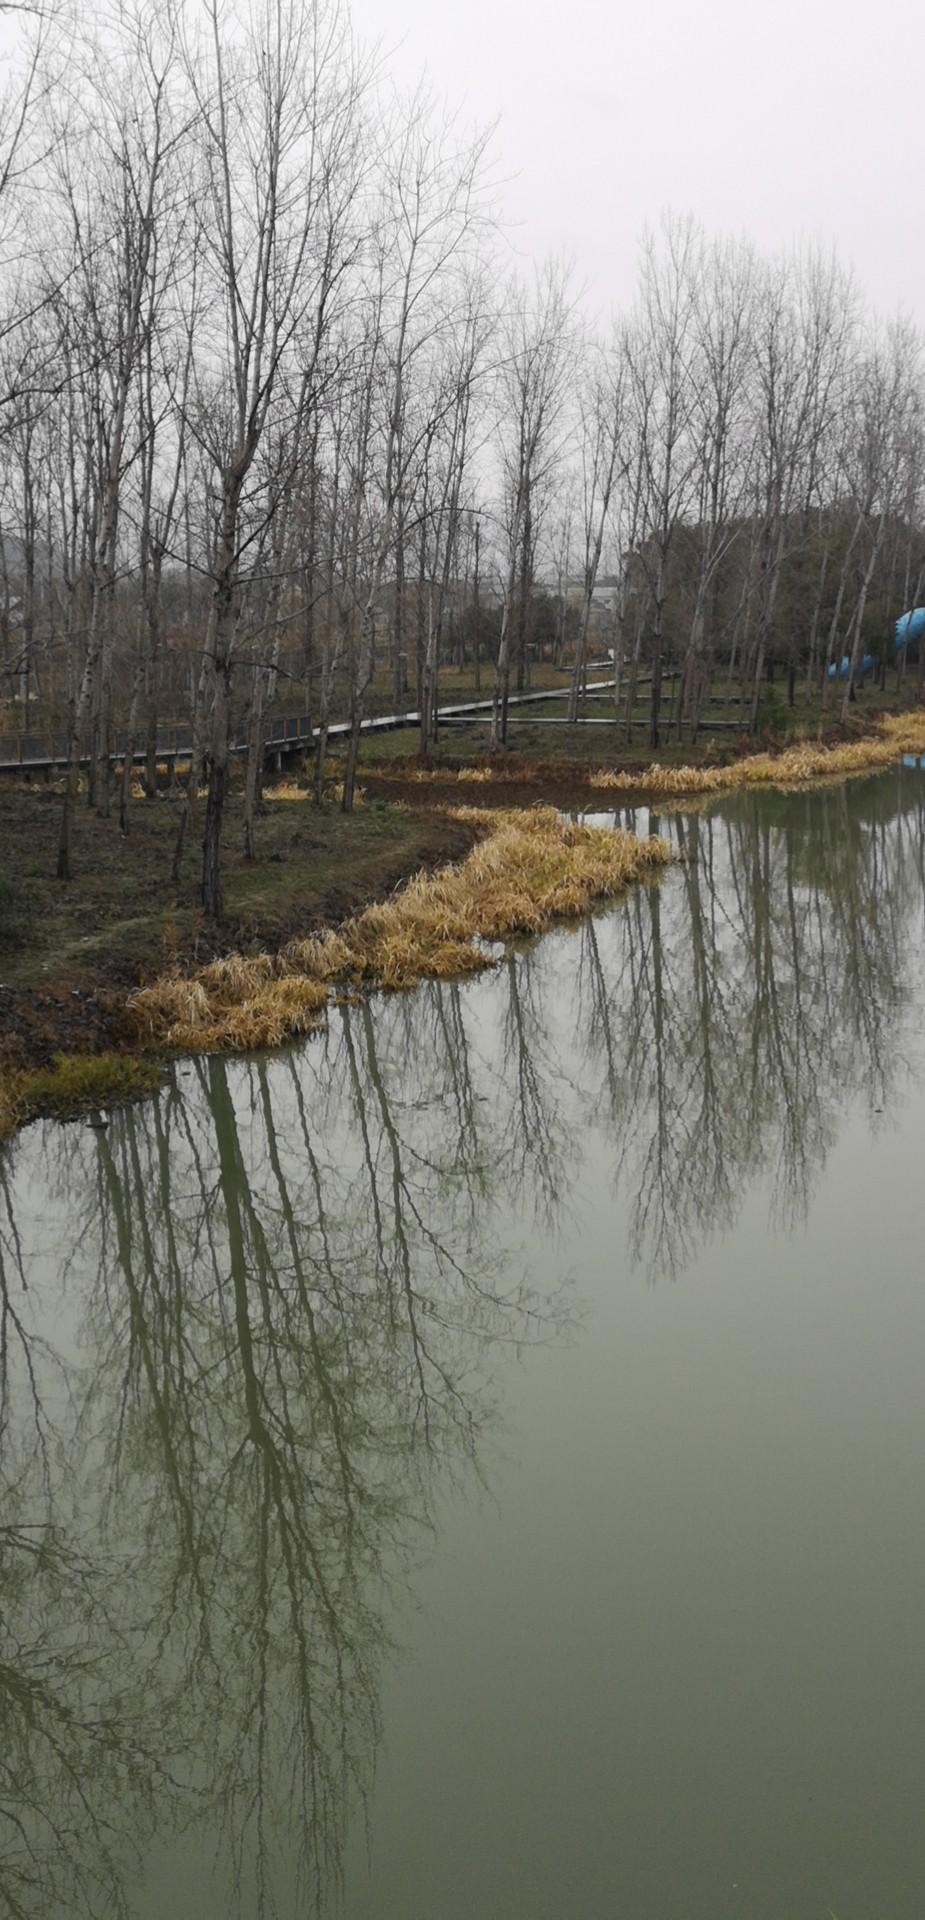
{"x":292,"y":733}
{"x":284,"y":734}
{"x":25,"y":751}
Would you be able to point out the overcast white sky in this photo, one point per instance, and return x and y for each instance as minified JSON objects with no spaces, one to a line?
{"x":795,"y":118}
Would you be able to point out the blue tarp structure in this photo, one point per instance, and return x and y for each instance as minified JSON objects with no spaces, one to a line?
{"x":911,"y":626}
{"x":842,"y":671}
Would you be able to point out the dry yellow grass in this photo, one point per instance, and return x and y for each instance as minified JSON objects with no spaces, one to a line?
{"x":334,"y":792}
{"x":287,"y":790}
{"x":529,"y":869}
{"x":235,"y":1004}
{"x":795,"y":766}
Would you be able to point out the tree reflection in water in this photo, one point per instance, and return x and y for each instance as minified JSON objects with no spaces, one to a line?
{"x":749,"y":1001}
{"x":282,"y":1286}
{"x":246,"y":1331}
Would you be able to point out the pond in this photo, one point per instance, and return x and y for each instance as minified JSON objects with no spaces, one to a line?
{"x":472,"y":1464}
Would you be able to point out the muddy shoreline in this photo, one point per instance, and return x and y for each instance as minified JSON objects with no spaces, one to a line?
{"x":78,"y":1007}
{"x":428,"y":817}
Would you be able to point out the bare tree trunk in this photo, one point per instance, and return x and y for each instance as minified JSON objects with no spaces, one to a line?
{"x":524,"y":594}
{"x":858,"y":624}
{"x":765,"y":623}
{"x":254,"y":762}
{"x":399,"y":660}
{"x":655,"y":705}
{"x":502,"y":675}
{"x":357,"y":708}
{"x":78,"y":710}
{"x":196,"y":763}
{"x":578,"y":669}
{"x":219,"y":741}
{"x":128,"y":756}
{"x":477,"y":614}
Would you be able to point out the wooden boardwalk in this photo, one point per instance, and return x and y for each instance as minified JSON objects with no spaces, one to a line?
{"x":289,"y":734}
{"x":285,"y":734}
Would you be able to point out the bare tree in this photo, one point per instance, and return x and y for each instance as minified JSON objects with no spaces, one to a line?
{"x":888,"y":402}
{"x":279,"y":96}
{"x":434,"y":211}
{"x":804,"y":319}
{"x":722,"y":321}
{"x":114,"y":247}
{"x":601,"y":430}
{"x":535,"y":347}
{"x":660,"y":348}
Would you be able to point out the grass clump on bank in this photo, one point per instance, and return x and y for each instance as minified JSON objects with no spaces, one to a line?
{"x":240,"y":1003}
{"x":74,"y":1084}
{"x":529,"y":869}
{"x":796,"y":766}
{"x":792,"y":766}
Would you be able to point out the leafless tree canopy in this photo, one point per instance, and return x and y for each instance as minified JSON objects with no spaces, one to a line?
{"x":276,"y":417}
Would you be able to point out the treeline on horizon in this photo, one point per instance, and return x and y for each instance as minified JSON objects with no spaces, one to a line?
{"x":281,"y":422}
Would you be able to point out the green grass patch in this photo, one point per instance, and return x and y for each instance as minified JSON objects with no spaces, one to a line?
{"x":15,"y":915}
{"x":73,"y":1084}
{"x":121,"y":919}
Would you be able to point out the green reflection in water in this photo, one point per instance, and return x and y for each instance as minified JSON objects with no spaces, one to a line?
{"x":253,"y":1333}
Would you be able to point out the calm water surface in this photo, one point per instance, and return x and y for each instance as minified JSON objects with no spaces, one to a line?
{"x":472,"y":1467}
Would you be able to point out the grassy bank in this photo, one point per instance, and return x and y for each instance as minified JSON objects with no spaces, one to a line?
{"x":122,"y":916}
{"x":98,"y":976}
{"x":72,"y":1084}
{"x":539,"y":735}
{"x":883,"y":742}
{"x":528,"y":869}
{"x":893,"y":735}
{"x":70,"y":955}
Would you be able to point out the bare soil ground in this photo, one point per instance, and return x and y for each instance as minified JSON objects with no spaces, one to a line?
{"x":557,"y":763}
{"x":69,"y":953}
